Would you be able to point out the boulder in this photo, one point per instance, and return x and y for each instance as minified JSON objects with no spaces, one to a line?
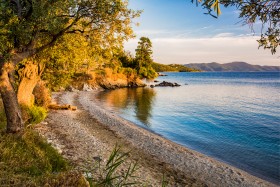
{"x":167,"y":84}
{"x":161,"y":74}
{"x":71,"y":89}
{"x":87,"y":87}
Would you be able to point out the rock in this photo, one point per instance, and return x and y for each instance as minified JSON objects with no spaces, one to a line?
{"x":71,"y":89}
{"x":152,"y":86}
{"x":87,"y":87}
{"x":135,"y":84}
{"x":160,"y":74}
{"x":97,"y":158}
{"x":156,"y":81}
{"x":167,"y":84}
{"x":44,"y":123}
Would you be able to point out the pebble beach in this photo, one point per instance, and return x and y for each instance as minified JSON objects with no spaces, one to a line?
{"x":91,"y":132}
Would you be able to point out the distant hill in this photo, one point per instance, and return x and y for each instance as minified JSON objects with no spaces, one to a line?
{"x":231,"y":67}
{"x":172,"y":68}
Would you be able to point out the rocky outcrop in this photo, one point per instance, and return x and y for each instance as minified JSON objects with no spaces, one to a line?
{"x":166,"y":84}
{"x":162,"y":75}
{"x":70,"y":88}
{"x":87,"y":87}
{"x":110,"y":84}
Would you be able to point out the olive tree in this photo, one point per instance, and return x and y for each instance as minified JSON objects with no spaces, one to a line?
{"x":29,"y":28}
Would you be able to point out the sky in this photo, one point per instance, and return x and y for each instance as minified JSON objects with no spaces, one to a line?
{"x":181,"y":33}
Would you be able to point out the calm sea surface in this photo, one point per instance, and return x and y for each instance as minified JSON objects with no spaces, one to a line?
{"x":233,"y":117}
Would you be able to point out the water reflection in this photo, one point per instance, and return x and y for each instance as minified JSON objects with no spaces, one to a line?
{"x":141,"y":99}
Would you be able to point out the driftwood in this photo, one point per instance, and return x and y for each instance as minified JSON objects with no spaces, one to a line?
{"x":62,"y":107}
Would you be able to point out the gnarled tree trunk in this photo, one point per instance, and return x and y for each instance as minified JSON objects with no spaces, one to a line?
{"x":9,"y":97}
{"x":29,"y":77}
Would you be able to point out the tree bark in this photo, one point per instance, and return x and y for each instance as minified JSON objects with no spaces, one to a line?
{"x":9,"y":97}
{"x":29,"y":75}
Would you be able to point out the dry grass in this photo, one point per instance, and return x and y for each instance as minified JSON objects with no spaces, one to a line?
{"x":28,"y":160}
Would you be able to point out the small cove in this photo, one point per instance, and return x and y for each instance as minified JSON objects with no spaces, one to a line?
{"x":233,"y":117}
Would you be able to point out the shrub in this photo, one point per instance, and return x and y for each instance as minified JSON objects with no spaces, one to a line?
{"x":34,"y":114}
{"x":151,"y":73}
{"x":42,"y":95}
{"x":142,"y":72}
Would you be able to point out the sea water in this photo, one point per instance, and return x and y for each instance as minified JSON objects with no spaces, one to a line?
{"x":231,"y":116}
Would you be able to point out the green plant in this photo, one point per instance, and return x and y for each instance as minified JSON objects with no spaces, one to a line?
{"x":164,"y":182}
{"x":34,"y":114}
{"x":109,"y":174}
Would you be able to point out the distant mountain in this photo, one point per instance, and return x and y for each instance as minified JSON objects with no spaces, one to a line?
{"x":171,"y":68}
{"x":231,"y":67}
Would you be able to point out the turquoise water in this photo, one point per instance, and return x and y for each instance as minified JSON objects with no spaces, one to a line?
{"x":233,"y":117}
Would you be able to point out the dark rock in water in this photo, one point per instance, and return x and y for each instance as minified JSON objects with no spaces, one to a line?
{"x":152,"y":86}
{"x":160,"y":74}
{"x":156,"y":81}
{"x":167,"y":84}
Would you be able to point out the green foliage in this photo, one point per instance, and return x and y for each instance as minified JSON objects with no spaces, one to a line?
{"x":44,"y":22}
{"x":110,"y":175}
{"x":265,"y":11}
{"x":151,"y":73}
{"x":164,"y":182}
{"x":35,"y":114}
{"x":147,"y":72}
{"x":144,"y":53}
{"x":69,"y":37}
{"x":127,"y":59}
{"x":143,"y":72}
{"x":143,"y":59}
{"x":171,"y":68}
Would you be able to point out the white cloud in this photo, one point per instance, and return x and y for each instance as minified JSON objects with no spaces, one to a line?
{"x":221,"y":49}
{"x":222,"y":35}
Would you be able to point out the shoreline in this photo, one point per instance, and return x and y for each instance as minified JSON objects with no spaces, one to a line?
{"x":193,"y":166}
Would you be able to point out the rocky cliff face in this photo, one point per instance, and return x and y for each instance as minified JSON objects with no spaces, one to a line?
{"x":93,"y":81}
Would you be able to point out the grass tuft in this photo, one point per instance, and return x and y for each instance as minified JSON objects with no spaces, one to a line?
{"x":110,"y":175}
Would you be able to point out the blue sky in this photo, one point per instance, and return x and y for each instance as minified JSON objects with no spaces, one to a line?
{"x":181,"y":33}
